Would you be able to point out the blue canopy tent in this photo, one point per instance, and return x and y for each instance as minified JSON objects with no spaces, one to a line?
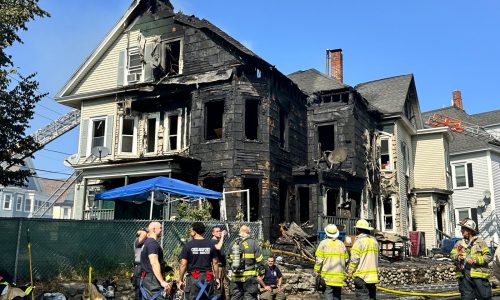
{"x":141,"y":191}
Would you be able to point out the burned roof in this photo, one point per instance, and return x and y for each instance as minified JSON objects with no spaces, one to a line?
{"x":386,"y":95}
{"x":312,"y":81}
{"x":463,"y":142}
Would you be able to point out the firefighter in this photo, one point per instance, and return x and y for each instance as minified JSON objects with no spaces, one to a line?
{"x":471,"y":256}
{"x":363,"y":266}
{"x":331,"y":257}
{"x":245,"y":262}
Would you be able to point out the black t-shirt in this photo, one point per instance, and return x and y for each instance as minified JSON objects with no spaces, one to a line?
{"x":199,"y":254}
{"x":271,"y":276}
{"x":151,"y":246}
{"x":221,"y":256}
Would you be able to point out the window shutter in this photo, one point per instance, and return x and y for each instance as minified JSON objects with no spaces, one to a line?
{"x":109,"y":133}
{"x":122,"y":59}
{"x":473,"y":215}
{"x":148,"y":62}
{"x":83,"y":137}
{"x":469,"y":175}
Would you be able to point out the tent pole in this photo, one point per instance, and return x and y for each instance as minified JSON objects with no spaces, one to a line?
{"x":224,"y":214}
{"x":248,"y":205}
{"x":152,"y":202}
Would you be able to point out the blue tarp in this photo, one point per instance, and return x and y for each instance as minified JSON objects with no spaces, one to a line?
{"x":140,"y":191}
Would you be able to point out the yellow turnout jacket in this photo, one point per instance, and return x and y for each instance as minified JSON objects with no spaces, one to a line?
{"x":364,"y":258}
{"x":331,"y":257}
{"x":478,"y":250}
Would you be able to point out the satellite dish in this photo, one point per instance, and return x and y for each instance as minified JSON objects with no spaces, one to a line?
{"x":337,"y":156}
{"x":100,"y":152}
{"x":71,"y":160}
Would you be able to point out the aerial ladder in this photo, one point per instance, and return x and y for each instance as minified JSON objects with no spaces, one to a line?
{"x":460,"y":126}
{"x":45,"y":135}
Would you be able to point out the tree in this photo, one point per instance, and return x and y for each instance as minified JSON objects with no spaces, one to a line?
{"x":17,"y":98}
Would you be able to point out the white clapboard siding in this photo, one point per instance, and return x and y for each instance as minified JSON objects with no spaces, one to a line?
{"x":104,"y":74}
{"x":402,"y":135}
{"x":430,"y":169}
{"x":424,"y":219}
{"x":495,"y":170}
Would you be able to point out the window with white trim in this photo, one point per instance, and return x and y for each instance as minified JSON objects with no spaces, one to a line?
{"x":385,"y":154}
{"x":19,"y":202}
{"x":128,"y":133}
{"x":97,"y":133}
{"x":66,"y":212}
{"x":27,"y":204}
{"x":173,"y":132}
{"x":151,"y":133}
{"x":462,"y":175}
{"x":37,"y":205}
{"x":466,"y":212}
{"x":7,"y":202}
{"x":134,"y":65}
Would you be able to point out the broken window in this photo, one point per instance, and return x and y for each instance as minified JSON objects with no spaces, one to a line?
{"x":173,"y":132}
{"x":283,"y":115}
{"x":172,"y":57}
{"x":388,"y":217}
{"x":385,"y":156}
{"x":151,"y":135}
{"x":214,"y":120}
{"x":252,"y":184}
{"x":127,"y":135}
{"x":251,"y":119}
{"x":214,"y":184}
{"x":98,"y":132}
{"x":331,"y":202}
{"x":283,"y":190}
{"x":303,"y":204}
{"x":134,"y":65}
{"x":326,"y":137}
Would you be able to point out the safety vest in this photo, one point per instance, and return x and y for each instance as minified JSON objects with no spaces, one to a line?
{"x":478,"y":251}
{"x":252,"y":256}
{"x":331,"y":257}
{"x":364,"y":258}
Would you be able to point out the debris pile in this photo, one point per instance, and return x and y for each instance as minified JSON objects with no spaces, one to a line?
{"x":425,"y":273}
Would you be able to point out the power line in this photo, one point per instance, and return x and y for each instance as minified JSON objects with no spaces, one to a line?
{"x":50,"y":150}
{"x":44,"y":116}
{"x":47,"y":171}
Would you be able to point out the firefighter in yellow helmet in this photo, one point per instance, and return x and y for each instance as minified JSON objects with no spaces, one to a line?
{"x":363,"y":266}
{"x":471,"y":256}
{"x":331,"y":257}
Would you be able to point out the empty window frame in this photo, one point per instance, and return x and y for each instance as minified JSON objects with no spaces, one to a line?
{"x":97,"y":133}
{"x":214,"y":184}
{"x":406,"y":158}
{"x":151,"y":133}
{"x":214,"y":120}
{"x":283,"y":119}
{"x":388,"y":217}
{"x":326,"y":137}
{"x":173,"y":132}
{"x":253,"y":185}
{"x":385,"y":153}
{"x":7,"y":202}
{"x":462,"y":175}
{"x":128,"y":130}
{"x":303,"y":204}
{"x":19,"y":202}
{"x":332,"y":200}
{"x":251,"y":119}
{"x":27,"y":204}
{"x":134,"y":65}
{"x":172,"y":57}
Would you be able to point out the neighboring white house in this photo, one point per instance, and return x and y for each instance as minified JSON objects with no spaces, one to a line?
{"x":475,"y":168}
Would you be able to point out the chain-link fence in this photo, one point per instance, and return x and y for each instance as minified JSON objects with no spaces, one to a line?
{"x":69,"y":247}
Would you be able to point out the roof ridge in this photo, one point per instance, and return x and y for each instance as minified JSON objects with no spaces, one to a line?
{"x":381,"y":79}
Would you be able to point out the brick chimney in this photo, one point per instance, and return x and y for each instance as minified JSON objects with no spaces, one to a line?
{"x":457,"y":100}
{"x":334,"y":64}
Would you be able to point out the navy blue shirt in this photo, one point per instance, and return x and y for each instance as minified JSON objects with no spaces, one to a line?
{"x":272,"y":275}
{"x":221,"y":256}
{"x":151,"y":246}
{"x":199,"y":254}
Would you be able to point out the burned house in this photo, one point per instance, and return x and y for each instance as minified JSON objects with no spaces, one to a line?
{"x":169,"y":94}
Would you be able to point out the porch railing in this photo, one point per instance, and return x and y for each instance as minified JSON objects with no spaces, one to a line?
{"x":99,"y":214}
{"x":347,"y":223}
{"x":440,"y":236}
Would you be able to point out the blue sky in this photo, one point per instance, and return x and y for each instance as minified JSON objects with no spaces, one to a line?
{"x":447,"y":45}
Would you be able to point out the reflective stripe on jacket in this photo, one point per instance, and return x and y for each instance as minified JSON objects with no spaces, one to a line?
{"x":364,"y":258}
{"x":477,"y":250}
{"x":252,"y":255}
{"x":331,"y":256}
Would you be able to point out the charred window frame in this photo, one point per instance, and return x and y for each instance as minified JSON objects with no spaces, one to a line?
{"x":152,"y":124}
{"x":388,"y":210}
{"x":284,"y":128}
{"x":385,"y":153}
{"x":172,"y":58}
{"x":173,"y":131}
{"x":252,"y":119}
{"x":128,"y":135}
{"x":326,"y":136}
{"x":214,"y":120}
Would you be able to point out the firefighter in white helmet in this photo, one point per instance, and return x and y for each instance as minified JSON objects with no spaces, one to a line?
{"x":471,"y":256}
{"x":363,"y":266}
{"x":331,"y":257}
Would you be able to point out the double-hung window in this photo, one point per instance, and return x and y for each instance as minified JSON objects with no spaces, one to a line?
{"x":462,"y":175}
{"x":385,"y":154}
{"x":19,"y":202}
{"x":97,"y":133}
{"x":7,"y":201}
{"x":27,"y":204}
{"x":134,"y":65}
{"x":173,"y":126}
{"x":128,"y":135}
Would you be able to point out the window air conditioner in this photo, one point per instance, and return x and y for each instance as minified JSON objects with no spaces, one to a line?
{"x":134,"y":77}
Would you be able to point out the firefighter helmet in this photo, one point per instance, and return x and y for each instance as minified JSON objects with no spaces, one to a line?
{"x":363,"y":224}
{"x":332,"y":231}
{"x":469,"y":224}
